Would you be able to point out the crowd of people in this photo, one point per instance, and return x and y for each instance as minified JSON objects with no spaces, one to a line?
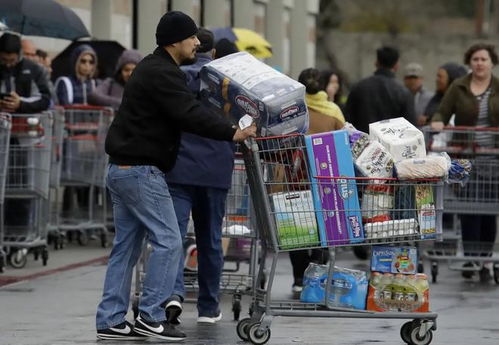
{"x":158,"y":177}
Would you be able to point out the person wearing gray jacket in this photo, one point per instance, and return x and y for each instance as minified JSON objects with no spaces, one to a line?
{"x":110,"y":91}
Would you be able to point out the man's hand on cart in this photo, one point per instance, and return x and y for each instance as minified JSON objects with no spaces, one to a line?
{"x":246,"y":129}
{"x":437,"y":126}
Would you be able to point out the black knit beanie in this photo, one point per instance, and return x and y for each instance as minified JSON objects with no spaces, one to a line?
{"x":173,"y":27}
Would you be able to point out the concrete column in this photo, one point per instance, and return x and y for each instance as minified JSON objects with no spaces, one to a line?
{"x":214,"y":13}
{"x":244,"y":14}
{"x":185,"y":6}
{"x":299,"y":38}
{"x":275,"y":27}
{"x":102,"y":18}
{"x":149,"y":13}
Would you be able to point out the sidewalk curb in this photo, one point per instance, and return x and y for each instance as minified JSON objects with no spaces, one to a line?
{"x":8,"y":280}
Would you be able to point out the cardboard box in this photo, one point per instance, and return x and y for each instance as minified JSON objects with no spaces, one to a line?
{"x":295,"y":219}
{"x":335,"y":200}
{"x":394,"y":259}
{"x":240,"y":84}
{"x":427,"y":215}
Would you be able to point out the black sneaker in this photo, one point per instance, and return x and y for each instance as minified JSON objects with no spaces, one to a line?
{"x":161,"y":330}
{"x":123,"y":331}
{"x":173,"y":309}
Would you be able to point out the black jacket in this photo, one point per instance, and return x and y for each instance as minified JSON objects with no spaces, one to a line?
{"x":378,"y":97}
{"x":30,"y":81}
{"x":156,"y":107}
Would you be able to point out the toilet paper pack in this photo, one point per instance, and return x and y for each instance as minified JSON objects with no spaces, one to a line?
{"x":399,"y":137}
{"x":239,"y":84}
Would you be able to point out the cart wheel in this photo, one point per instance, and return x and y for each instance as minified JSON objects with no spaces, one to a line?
{"x":417,"y":340}
{"x":18,"y":259}
{"x":82,"y":238}
{"x":103,"y":240}
{"x":45,"y":256}
{"x":242,"y":328}
{"x":36,"y":254}
{"x":2,"y":264}
{"x":434,"y":271}
{"x":496,"y":274}
{"x":405,"y":332}
{"x":257,"y":337}
{"x":236,"y":306}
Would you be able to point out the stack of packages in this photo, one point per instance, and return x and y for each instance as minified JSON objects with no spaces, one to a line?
{"x":395,"y":147}
{"x":238,"y":85}
{"x":394,"y":284}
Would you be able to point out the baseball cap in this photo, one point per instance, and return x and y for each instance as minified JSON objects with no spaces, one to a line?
{"x":413,"y":69}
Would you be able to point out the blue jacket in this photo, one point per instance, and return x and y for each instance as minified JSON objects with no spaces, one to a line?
{"x":202,"y":161}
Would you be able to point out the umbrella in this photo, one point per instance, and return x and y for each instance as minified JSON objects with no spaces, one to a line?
{"x":42,"y":18}
{"x":108,"y":53}
{"x":246,"y":40}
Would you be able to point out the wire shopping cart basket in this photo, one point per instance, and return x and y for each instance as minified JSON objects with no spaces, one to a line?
{"x":83,"y":167}
{"x":290,"y":203}
{"x":5,"y":125}
{"x":469,"y":239}
{"x":27,"y":187}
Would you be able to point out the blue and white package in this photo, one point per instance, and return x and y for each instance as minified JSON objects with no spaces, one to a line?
{"x":239,"y":84}
{"x":394,"y":259}
{"x":348,"y":289}
{"x":314,"y":284}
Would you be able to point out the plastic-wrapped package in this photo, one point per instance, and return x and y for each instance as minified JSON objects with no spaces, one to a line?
{"x":429,"y":167}
{"x":314,"y":284}
{"x":358,"y":140}
{"x":459,"y":171}
{"x":348,"y":289}
{"x":377,"y":202}
{"x":399,"y":137}
{"x":375,"y":161}
{"x":239,"y":84}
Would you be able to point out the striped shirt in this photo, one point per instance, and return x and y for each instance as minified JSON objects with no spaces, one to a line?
{"x":483,"y":139}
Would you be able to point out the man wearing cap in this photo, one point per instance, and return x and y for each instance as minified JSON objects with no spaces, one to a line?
{"x":413,"y":80}
{"x":142,"y":144}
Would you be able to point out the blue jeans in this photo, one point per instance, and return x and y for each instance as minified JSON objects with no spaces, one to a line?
{"x":141,"y":206}
{"x":208,"y":210}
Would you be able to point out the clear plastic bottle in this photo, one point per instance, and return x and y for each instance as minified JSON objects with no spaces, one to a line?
{"x":314,"y":283}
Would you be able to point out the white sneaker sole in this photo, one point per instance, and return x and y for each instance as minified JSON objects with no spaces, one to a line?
{"x":158,"y":336}
{"x":206,"y":319}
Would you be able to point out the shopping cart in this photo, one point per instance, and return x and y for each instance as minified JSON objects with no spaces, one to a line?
{"x":239,"y":241}
{"x":479,"y":196}
{"x":83,"y":166}
{"x":52,"y":207}
{"x":27,"y":188}
{"x":264,"y":157}
{"x":5,"y":124}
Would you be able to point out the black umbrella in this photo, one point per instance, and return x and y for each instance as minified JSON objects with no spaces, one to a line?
{"x":42,"y":18}
{"x":108,"y":53}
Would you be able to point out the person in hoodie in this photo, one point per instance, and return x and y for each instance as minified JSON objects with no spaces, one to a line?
{"x":446,"y":74}
{"x":199,"y":183}
{"x":110,"y":91}
{"x":75,"y":88}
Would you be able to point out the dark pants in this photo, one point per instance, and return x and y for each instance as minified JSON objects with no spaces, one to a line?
{"x":478,"y":234}
{"x":208,"y":209}
{"x":300,"y":259}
